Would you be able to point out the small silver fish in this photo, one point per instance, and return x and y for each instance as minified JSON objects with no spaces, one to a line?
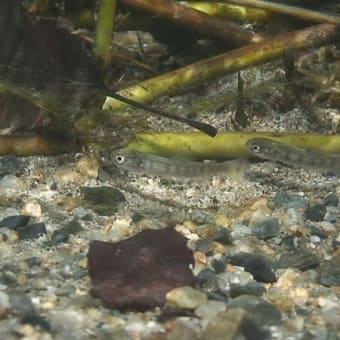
{"x":140,"y":162}
{"x":289,"y":155}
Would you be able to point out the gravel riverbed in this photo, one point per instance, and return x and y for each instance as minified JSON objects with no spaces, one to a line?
{"x":266,"y":250}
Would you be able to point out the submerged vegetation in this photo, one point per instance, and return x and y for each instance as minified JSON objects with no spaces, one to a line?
{"x":68,"y":87}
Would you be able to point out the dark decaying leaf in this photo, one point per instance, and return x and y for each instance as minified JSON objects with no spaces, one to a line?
{"x":139,"y":271}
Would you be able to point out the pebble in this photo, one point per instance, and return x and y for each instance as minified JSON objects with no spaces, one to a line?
{"x":67,"y":175}
{"x":5,"y":304}
{"x":331,"y":215}
{"x":69,"y":203}
{"x":329,"y":271}
{"x":315,"y":231}
{"x":260,"y":266}
{"x":62,"y":235}
{"x":218,"y":265}
{"x":36,"y":321}
{"x":186,"y":297}
{"x":58,"y":236}
{"x":251,"y":288}
{"x":240,"y":229}
{"x":223,"y":236}
{"x":299,"y":259}
{"x":200,"y":217}
{"x":261,"y":311}
{"x":21,"y":304}
{"x":32,"y":231}
{"x":73,"y":227}
{"x":331,"y":199}
{"x":14,"y":222}
{"x":288,"y":293}
{"x":67,"y":290}
{"x":181,"y":331}
{"x":292,"y":217}
{"x":331,"y":311}
{"x":205,"y":275}
{"x":32,"y":209}
{"x":87,"y":167}
{"x":226,"y":280}
{"x":287,"y":200}
{"x":103,"y":200}
{"x":208,"y":311}
{"x":68,"y":322}
{"x":267,"y":229}
{"x":327,"y":227}
{"x":289,"y":242}
{"x":256,"y":212}
{"x":225,"y":326}
{"x":316,"y":212}
{"x":10,"y":185}
{"x":204,"y":246}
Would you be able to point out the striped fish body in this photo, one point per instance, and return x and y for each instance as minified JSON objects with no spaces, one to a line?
{"x":140,"y":162}
{"x":271,"y":150}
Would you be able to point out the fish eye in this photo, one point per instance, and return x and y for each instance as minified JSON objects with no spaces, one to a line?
{"x":120,"y":159}
{"x":255,"y":148}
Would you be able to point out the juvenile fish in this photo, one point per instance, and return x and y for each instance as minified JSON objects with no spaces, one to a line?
{"x":289,"y":155}
{"x":140,"y":162}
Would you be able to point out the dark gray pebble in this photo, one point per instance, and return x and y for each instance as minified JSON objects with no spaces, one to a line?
{"x":62,"y":235}
{"x":88,"y":218}
{"x":287,"y":200}
{"x":252,"y":288}
{"x":329,"y":272}
{"x":316,"y":212}
{"x":299,"y":259}
{"x":21,"y":304}
{"x":252,"y":330}
{"x":205,"y":246}
{"x":208,"y":281}
{"x":34,"y":261}
{"x":32,"y":231}
{"x":136,"y":217}
{"x":218,"y":265}
{"x":72,"y":228}
{"x":204,"y":276}
{"x":318,"y":232}
{"x":222,"y":236}
{"x":15,"y":221}
{"x":58,"y":236}
{"x":37,"y":320}
{"x":331,"y":199}
{"x":260,"y":266}
{"x":267,"y":229}
{"x":9,"y":278}
{"x":289,"y":242}
{"x":103,"y":200}
{"x":218,"y":296}
{"x":261,"y":311}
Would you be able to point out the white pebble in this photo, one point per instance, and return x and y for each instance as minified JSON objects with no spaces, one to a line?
{"x":32,"y":209}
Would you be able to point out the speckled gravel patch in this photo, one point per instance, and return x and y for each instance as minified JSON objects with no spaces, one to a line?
{"x":267,"y":250}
